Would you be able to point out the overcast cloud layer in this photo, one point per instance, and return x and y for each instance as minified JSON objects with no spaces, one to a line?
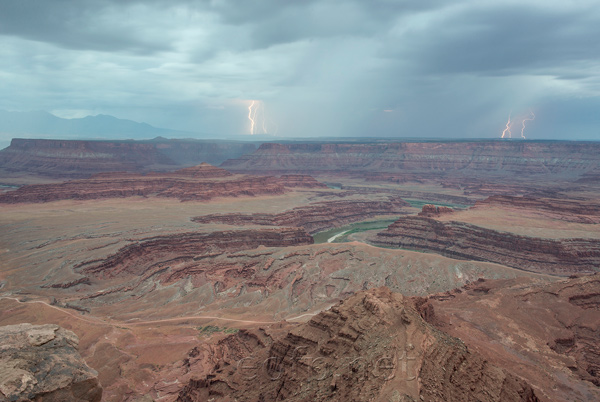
{"x":315,"y":68}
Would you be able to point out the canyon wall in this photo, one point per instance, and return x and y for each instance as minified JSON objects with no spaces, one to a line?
{"x":158,"y":253}
{"x":507,"y":157}
{"x":315,"y":217}
{"x":82,"y":158}
{"x":469,"y":242}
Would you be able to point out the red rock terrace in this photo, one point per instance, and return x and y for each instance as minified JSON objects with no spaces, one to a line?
{"x":469,"y":242}
{"x":315,"y":217}
{"x":199,"y":183}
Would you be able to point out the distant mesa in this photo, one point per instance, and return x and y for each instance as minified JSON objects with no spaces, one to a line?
{"x":434,"y":157}
{"x":77,"y":159}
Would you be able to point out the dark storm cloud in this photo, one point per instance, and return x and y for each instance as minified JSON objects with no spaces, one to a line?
{"x":274,"y":22}
{"x":321,"y":67}
{"x":90,"y":25}
{"x":504,"y":40}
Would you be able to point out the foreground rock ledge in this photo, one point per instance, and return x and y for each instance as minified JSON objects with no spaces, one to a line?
{"x":373,"y":346}
{"x":42,"y":363}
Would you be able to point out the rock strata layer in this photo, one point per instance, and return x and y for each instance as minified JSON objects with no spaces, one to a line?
{"x":161,"y":252}
{"x":78,"y":159}
{"x":469,"y":242}
{"x":41,"y":363}
{"x":199,"y":183}
{"x":374,"y":346}
{"x":433,"y":157}
{"x":317,"y":216}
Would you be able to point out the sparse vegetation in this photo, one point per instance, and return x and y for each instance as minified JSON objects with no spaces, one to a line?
{"x":211,"y":329}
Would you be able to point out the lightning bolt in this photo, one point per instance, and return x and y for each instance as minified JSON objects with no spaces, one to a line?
{"x":524,"y":120}
{"x":251,"y":116}
{"x":264,"y":121}
{"x":273,"y":124}
{"x":507,"y":129}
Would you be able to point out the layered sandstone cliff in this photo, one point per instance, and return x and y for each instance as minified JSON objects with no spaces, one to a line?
{"x":506,"y":157}
{"x":317,"y":216}
{"x":373,"y":346}
{"x":80,"y":159}
{"x":202,"y":182}
{"x":469,"y":242}
{"x":158,"y":254}
{"x":41,"y":363}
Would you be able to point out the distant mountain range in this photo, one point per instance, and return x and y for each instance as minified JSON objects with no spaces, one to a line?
{"x":40,"y":124}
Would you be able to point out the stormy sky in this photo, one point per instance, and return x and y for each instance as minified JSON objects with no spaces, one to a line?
{"x":376,"y":68}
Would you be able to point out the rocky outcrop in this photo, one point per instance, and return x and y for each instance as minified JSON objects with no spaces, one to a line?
{"x":469,"y":242}
{"x":80,"y":159}
{"x":157,"y":254}
{"x":300,"y":180}
{"x":580,"y":211}
{"x":41,"y":363}
{"x":373,"y":346}
{"x":317,"y":216}
{"x":549,"y":335}
{"x":430,"y":210}
{"x":199,"y":183}
{"x":500,"y":157}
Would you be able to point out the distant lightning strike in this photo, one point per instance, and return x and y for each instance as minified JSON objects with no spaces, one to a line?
{"x":256,"y":115}
{"x":251,"y":116}
{"x":524,"y":120}
{"x":507,"y":129}
{"x":511,"y":122}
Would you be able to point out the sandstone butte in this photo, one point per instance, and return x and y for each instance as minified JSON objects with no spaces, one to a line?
{"x":461,"y":240}
{"x":41,"y":363}
{"x":373,"y":346}
{"x":430,"y":210}
{"x":202,"y":182}
{"x":317,"y":216}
